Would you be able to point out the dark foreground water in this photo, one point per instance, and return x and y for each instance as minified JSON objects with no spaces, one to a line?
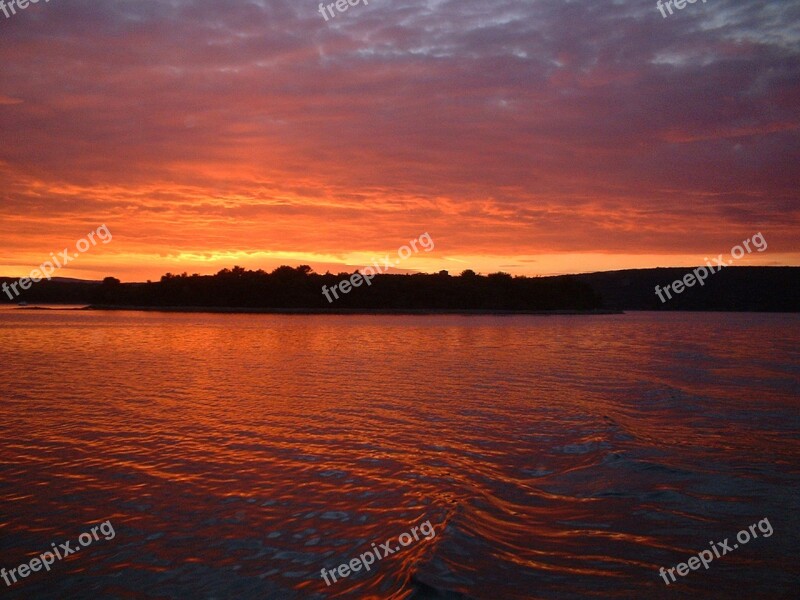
{"x":235,"y":456}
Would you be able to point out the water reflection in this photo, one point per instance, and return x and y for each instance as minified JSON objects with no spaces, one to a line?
{"x":237,"y":455}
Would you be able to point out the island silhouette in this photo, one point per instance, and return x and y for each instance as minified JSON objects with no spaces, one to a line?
{"x":773,"y":289}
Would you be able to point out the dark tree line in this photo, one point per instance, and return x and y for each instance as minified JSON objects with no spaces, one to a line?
{"x":732,"y":289}
{"x":300,"y":287}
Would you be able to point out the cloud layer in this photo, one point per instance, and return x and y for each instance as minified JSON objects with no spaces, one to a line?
{"x":540,"y":135}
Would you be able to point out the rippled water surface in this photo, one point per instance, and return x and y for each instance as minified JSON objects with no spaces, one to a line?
{"x":555,"y":457}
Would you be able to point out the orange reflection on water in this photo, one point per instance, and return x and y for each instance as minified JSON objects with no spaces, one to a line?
{"x":242,"y":454}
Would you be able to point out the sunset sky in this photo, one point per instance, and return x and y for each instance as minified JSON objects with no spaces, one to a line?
{"x":532,"y":137}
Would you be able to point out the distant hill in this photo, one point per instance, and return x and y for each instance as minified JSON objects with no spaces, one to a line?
{"x":770,"y":289}
{"x":59,"y":290}
{"x":757,"y":289}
